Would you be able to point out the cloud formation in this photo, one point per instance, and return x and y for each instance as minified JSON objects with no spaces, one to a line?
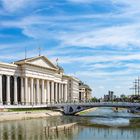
{"x":14,"y":5}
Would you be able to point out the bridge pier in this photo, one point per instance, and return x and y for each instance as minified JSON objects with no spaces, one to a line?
{"x":72,"y":109}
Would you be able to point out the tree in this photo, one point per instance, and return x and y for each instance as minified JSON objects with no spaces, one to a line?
{"x":94,"y":99}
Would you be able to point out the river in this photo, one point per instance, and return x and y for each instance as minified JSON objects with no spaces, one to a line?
{"x":101,"y":124}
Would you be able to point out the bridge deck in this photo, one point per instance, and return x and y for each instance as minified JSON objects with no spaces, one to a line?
{"x":58,"y":105}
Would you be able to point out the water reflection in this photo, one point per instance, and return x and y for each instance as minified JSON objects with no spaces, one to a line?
{"x":109,"y":134}
{"x":64,"y":135}
{"x":111,"y":122}
{"x":34,"y":129}
{"x":106,"y":116}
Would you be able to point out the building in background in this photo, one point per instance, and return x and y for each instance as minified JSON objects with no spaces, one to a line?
{"x":106,"y":97}
{"x":73,"y":88}
{"x":110,"y":96}
{"x":85,"y":92}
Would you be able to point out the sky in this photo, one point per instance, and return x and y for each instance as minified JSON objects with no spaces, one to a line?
{"x":97,"y":41}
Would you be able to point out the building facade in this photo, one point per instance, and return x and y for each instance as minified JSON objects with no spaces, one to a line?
{"x":32,"y":81}
{"x":73,"y":88}
{"x":85,"y":92}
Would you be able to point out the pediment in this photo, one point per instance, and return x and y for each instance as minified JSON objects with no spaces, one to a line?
{"x":39,"y":61}
{"x":43,"y":62}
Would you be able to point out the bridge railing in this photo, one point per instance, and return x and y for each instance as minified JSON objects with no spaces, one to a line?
{"x":127,"y":104}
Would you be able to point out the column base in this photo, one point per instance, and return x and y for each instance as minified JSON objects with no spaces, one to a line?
{"x":22,"y":103}
{"x":27,"y":104}
{"x":8,"y":103}
{"x":15,"y":103}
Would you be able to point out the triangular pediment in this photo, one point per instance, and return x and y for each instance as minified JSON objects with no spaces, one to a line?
{"x":39,"y":61}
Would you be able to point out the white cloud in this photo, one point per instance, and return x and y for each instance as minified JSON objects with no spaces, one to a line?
{"x":105,"y":58}
{"x":14,"y":5}
{"x":116,"y":36}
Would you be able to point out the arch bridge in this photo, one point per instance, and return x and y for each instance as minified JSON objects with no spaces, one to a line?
{"x":73,"y":108}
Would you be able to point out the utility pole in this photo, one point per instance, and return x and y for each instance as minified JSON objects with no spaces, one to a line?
{"x":135,"y":86}
{"x":138,"y":86}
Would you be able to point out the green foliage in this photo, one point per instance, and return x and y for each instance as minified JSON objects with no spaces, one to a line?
{"x":94,"y":99}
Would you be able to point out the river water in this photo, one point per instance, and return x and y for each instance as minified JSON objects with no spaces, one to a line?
{"x":101,"y":124}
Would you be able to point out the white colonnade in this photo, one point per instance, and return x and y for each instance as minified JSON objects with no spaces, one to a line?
{"x":33,"y":91}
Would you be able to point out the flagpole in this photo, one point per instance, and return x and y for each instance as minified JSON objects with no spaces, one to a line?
{"x":57,"y":61}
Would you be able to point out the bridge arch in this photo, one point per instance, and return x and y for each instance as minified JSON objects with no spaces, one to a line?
{"x":71,"y":109}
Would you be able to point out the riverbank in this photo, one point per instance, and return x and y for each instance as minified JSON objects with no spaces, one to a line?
{"x":24,"y":115}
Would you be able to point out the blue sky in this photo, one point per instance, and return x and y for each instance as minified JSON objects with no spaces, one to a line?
{"x":97,"y":41}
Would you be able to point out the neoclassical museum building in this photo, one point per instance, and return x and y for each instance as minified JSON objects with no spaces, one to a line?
{"x":32,"y":81}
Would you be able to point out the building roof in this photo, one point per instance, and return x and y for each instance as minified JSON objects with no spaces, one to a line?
{"x":84,"y":86}
{"x":37,"y":61}
{"x":71,"y":77}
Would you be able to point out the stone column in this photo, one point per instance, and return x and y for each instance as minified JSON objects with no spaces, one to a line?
{"x":52,"y":92}
{"x":1,"y":102}
{"x":66,"y":93}
{"x":43,"y":93}
{"x":48,"y":91}
{"x":59,"y":93}
{"x":8,"y":90}
{"x":29,"y":91}
{"x":37,"y":90}
{"x":56,"y":92}
{"x":32,"y":96}
{"x":22,"y":91}
{"x":62,"y":92}
{"x":15,"y":90}
{"x":26,"y":91}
